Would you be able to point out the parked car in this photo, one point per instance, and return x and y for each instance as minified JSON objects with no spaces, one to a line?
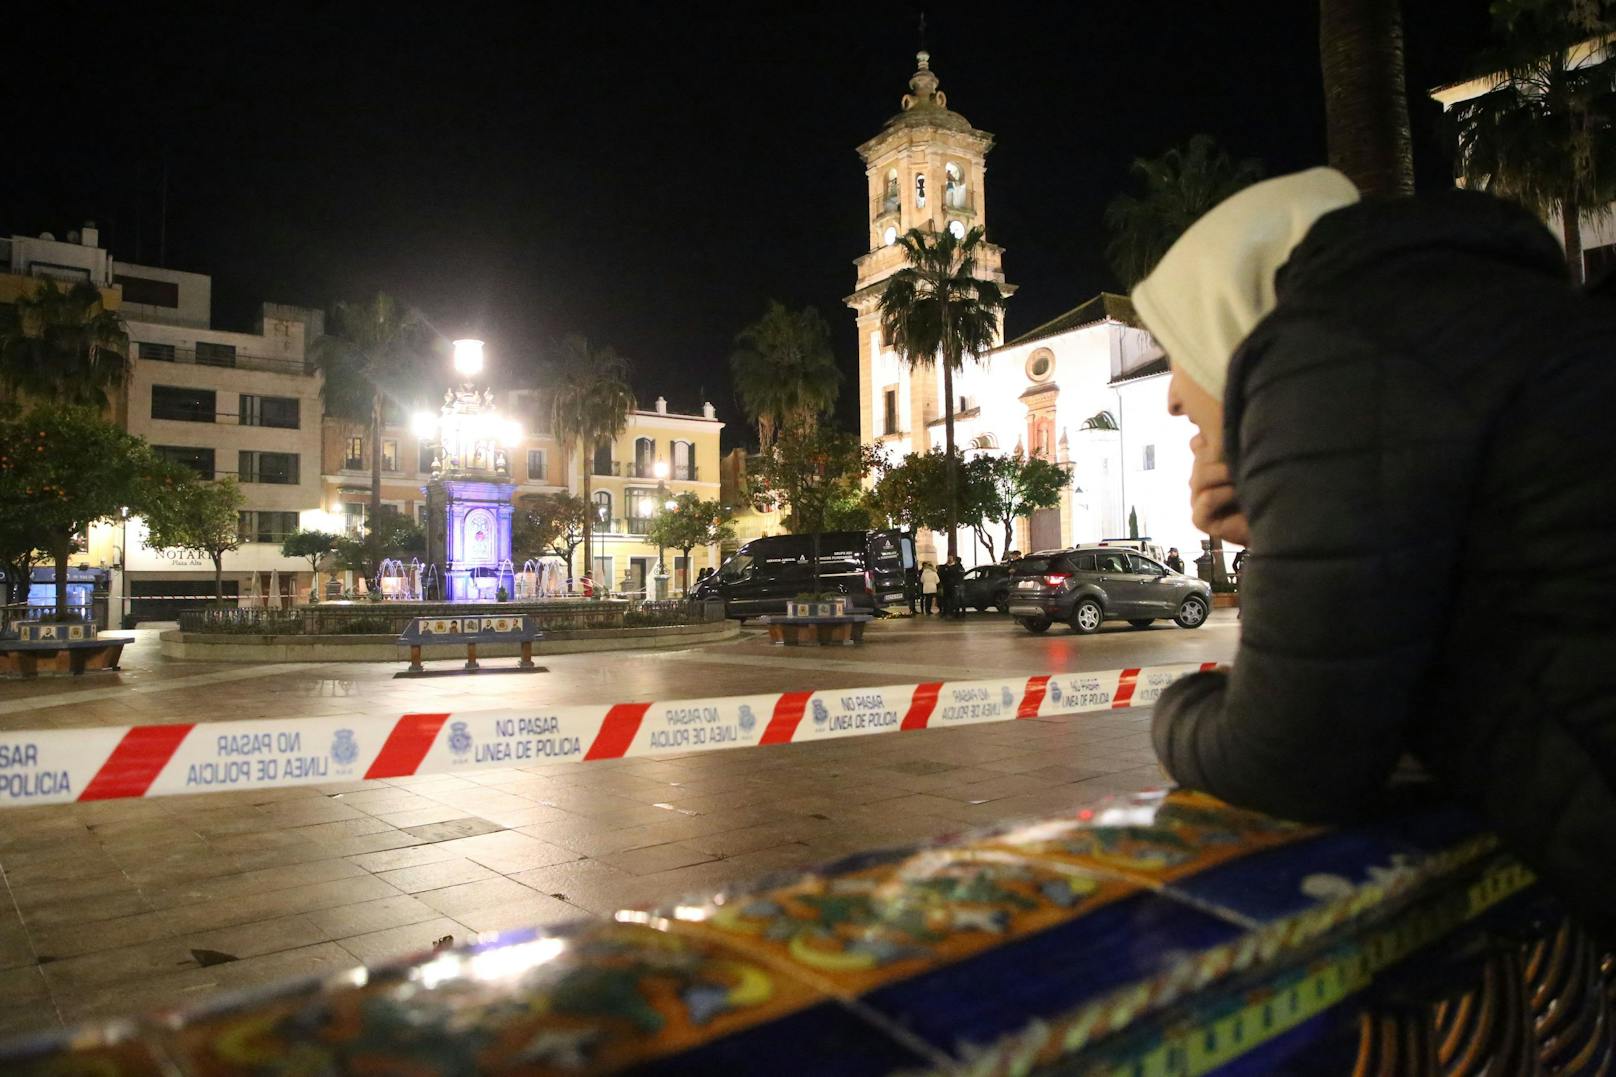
{"x":760,"y":577}
{"x":987,"y":587}
{"x":1089,"y":585}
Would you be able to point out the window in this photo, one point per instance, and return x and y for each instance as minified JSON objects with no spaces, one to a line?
{"x":889,"y":404}
{"x":536,"y":471}
{"x":257,"y":526}
{"x":603,"y":457}
{"x":1597,"y":261}
{"x":390,"y":454}
{"x":148,"y":292}
{"x":353,"y":518}
{"x":889,"y":196}
{"x":1148,"y":463}
{"x":198,"y":460}
{"x":953,"y":186}
{"x":603,"y":574}
{"x":1144,"y":566}
{"x":1083,"y":563}
{"x":276,"y":468}
{"x":644,"y":457}
{"x":210,"y":354}
{"x":426,"y":454}
{"x":354,"y":458}
{"x":641,"y":507}
{"x":920,"y":190}
{"x":1111,"y":562}
{"x":684,"y":460}
{"x":421,"y":514}
{"x":281,"y":412}
{"x":182,"y":404}
{"x":603,"y":508}
{"x":1040,"y":364}
{"x":162,"y":353}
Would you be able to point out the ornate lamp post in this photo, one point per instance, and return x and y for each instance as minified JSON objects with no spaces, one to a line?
{"x":664,"y":504}
{"x":469,"y":496}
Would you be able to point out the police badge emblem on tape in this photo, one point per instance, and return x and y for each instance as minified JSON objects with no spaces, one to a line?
{"x":63,"y":765}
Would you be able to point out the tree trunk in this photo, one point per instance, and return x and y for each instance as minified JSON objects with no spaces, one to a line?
{"x":1571,"y":230}
{"x":588,"y":465}
{"x":218,"y":577}
{"x":948,"y":443}
{"x":62,"y":554}
{"x":375,"y":474}
{"x":1365,"y":94}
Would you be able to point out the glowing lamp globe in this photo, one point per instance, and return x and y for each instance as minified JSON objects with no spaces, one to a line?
{"x":510,"y":434}
{"x":468,"y":357}
{"x":424,"y":425}
{"x":660,"y":469}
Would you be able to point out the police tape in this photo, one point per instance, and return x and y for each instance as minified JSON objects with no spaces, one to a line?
{"x":62,"y":766}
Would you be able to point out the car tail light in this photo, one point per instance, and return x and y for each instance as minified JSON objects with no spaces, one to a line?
{"x":1056,"y":579}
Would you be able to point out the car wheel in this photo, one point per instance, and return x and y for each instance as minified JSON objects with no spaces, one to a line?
{"x":1142,"y":622}
{"x":1034,"y":624}
{"x":1192,"y":614}
{"x":1086,"y":616}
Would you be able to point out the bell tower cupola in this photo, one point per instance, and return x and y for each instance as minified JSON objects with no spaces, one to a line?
{"x":925,"y":169}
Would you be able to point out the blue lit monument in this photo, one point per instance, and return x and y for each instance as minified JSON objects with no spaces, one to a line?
{"x":469,"y":496}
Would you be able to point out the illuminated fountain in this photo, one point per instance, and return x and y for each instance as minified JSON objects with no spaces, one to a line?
{"x":469,"y":496}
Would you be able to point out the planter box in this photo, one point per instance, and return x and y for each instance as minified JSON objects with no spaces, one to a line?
{"x":835,"y":607}
{"x":1225,"y":601}
{"x":55,"y":631}
{"x":820,"y":633}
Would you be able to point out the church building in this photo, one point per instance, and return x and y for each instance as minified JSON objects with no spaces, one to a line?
{"x":1086,"y":389}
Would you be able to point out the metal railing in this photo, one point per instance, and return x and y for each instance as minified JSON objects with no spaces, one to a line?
{"x":12,"y":613}
{"x":273,"y":364}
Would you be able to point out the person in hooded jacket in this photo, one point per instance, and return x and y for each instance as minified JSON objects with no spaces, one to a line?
{"x":1404,"y":405}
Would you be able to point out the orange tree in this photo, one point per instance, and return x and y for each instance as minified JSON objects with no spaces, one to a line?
{"x":809,"y":470}
{"x":65,"y":468}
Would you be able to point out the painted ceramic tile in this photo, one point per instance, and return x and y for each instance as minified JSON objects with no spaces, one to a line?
{"x":599,"y":999}
{"x":114,"y":1050}
{"x":1150,"y":838}
{"x":852,"y":932}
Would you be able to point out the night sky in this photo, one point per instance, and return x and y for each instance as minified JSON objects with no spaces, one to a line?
{"x":649,"y":176}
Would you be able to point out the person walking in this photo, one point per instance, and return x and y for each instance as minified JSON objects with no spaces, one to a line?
{"x":1174,"y":561}
{"x":928,"y":587}
{"x":1401,"y":402}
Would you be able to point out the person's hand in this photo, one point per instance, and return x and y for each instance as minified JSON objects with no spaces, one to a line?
{"x":1213,"y":505}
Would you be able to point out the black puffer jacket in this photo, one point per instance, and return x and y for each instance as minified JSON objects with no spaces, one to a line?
{"x":1423,"y":437}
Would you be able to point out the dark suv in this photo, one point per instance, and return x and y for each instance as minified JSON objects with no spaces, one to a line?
{"x":1091,"y":584}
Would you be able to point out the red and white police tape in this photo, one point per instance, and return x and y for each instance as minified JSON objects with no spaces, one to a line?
{"x":58,"y":766}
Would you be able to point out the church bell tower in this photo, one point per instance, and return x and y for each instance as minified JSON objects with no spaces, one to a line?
{"x":925,"y":169}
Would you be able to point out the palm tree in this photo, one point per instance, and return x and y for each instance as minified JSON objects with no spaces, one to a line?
{"x":373,"y":354}
{"x":64,"y":346}
{"x":936,"y":307}
{"x":1365,"y":95}
{"x":1545,"y":135}
{"x":592,"y":402}
{"x":784,"y":369}
{"x":1180,"y":186}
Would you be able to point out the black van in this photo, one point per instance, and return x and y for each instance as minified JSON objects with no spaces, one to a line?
{"x":867,"y":566}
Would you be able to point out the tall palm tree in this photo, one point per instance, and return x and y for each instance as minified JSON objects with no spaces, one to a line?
{"x":937,"y":309}
{"x":1179,"y":186}
{"x":63,"y":345}
{"x":374,"y":353}
{"x":591,"y":402}
{"x":1365,"y":94}
{"x":1545,"y":136}
{"x":784,"y":369}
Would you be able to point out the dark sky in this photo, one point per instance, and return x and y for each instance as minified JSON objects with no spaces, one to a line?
{"x":647,"y":175}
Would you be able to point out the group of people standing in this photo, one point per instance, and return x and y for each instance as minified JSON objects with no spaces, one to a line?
{"x":942,"y":588}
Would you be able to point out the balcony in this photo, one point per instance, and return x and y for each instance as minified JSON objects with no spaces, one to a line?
{"x":883,"y":205}
{"x":221,"y":356}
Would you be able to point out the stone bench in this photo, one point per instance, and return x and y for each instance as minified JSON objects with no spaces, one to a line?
{"x":471,"y":630}
{"x":846,"y":629}
{"x":30,"y":658}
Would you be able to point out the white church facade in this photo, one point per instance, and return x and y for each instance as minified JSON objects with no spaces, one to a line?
{"x":1086,"y":389}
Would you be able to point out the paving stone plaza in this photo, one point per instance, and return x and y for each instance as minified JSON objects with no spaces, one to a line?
{"x":121,"y":905}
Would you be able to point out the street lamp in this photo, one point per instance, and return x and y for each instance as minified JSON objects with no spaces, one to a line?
{"x":660,"y":470}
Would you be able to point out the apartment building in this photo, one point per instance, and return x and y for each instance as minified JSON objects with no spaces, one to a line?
{"x":221,"y":402}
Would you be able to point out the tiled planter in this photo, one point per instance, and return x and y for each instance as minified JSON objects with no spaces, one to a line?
{"x":835,"y":607}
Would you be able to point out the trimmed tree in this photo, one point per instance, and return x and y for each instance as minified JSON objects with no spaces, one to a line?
{"x":202,"y":517}
{"x":808,"y":470}
{"x":1002,"y":489}
{"x":549,"y":524}
{"x":313,"y":547}
{"x":690,"y":523}
{"x":913,"y":493}
{"x":65,"y":468}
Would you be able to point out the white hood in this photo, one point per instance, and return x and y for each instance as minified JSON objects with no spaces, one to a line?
{"x":1216,"y":283}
